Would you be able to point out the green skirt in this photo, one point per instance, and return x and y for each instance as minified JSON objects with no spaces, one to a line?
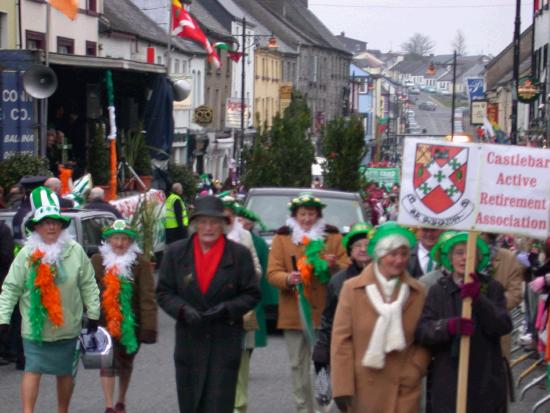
{"x":58,"y":358}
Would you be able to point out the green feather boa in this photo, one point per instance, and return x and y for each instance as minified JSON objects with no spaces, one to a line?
{"x":128,"y":325}
{"x":37,"y":312}
{"x":320,"y":266}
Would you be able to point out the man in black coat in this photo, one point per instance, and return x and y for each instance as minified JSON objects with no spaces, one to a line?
{"x":96,"y":202}
{"x":355,"y":242}
{"x":420,"y":262}
{"x":207,"y":283}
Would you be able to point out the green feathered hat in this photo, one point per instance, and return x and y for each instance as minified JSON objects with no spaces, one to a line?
{"x":45,"y":204}
{"x":231,"y":203}
{"x":251,"y":216}
{"x":461,"y":238}
{"x":435,"y":252}
{"x":305,"y":200}
{"x":119,"y":227}
{"x":360,"y":228}
{"x":388,"y":229}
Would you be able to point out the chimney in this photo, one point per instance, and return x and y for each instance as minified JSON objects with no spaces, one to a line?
{"x":343,"y":34}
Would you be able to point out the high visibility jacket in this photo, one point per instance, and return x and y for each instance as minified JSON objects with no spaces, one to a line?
{"x":170,"y":215}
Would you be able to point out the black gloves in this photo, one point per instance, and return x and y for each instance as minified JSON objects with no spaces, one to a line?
{"x":216,"y":313}
{"x":190,"y":316}
{"x":343,"y":403}
{"x":92,"y":326}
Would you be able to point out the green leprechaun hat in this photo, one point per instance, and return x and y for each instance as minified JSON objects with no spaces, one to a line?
{"x":231,"y":203}
{"x":119,"y":227}
{"x":364,"y":229}
{"x":483,"y":251}
{"x":45,"y":204}
{"x":388,"y":229}
{"x":305,"y":200}
{"x":251,"y":216}
{"x":435,"y":252}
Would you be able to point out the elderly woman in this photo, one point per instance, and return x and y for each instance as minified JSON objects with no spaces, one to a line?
{"x":441,"y":327}
{"x":53,"y":279}
{"x":207,"y":283}
{"x":129,"y":311}
{"x":376,"y":365}
{"x":355,"y":242}
{"x":316,"y":248}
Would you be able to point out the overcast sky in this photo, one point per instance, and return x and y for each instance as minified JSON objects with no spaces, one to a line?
{"x":488,"y":25}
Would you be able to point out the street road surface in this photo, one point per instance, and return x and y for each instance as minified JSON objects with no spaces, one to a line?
{"x":437,"y":122}
{"x":153,"y":384}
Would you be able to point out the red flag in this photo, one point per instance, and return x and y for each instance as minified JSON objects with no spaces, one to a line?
{"x":183,"y":25}
{"x":235,"y":56}
{"x":68,"y":7}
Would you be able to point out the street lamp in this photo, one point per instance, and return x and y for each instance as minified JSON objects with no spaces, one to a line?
{"x":271,"y":44}
{"x":432,"y":70}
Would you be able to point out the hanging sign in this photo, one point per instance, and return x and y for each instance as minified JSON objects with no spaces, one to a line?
{"x":478,"y":110}
{"x":528,"y":89}
{"x":476,"y":88}
{"x":476,"y":187}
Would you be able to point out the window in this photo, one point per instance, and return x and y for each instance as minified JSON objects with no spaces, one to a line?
{"x":91,"y":48}
{"x":184,"y":66}
{"x":65,"y":45}
{"x":91,"y":232}
{"x":159,"y":60}
{"x":314,"y":68}
{"x":176,"y":65}
{"x":35,"y":40}
{"x":3,"y":30}
{"x":91,"y":5}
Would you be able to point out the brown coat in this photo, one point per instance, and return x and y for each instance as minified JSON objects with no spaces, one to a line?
{"x":397,"y":387}
{"x":280,"y":265}
{"x":143,"y":300}
{"x":509,"y":272}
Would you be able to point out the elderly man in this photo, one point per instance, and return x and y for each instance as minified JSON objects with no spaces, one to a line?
{"x":175,"y":219}
{"x":53,"y":280}
{"x":96,"y":201}
{"x":55,"y":185}
{"x":421,"y":262}
{"x":207,"y":283}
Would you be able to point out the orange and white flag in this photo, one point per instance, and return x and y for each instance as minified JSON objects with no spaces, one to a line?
{"x":68,"y":7}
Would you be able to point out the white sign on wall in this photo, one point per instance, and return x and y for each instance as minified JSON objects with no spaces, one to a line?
{"x":476,"y":187}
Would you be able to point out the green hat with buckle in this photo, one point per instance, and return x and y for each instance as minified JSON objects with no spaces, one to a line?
{"x":483,"y":251}
{"x":119,"y":227}
{"x":45,"y":204}
{"x":358,"y":230}
{"x":305,"y":200}
{"x":435,"y":252}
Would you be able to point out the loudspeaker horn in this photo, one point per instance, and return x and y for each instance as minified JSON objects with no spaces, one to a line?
{"x":182,"y":90}
{"x":40,"y":81}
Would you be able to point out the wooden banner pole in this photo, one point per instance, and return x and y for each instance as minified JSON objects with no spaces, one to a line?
{"x":462,"y":391}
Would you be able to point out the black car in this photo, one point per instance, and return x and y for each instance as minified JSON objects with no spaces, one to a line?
{"x":430,"y":106}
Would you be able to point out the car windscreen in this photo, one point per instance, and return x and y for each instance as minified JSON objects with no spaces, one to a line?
{"x":92,"y":228}
{"x":273,"y":210}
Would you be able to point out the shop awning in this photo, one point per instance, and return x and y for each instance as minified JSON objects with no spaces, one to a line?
{"x":104,"y":63}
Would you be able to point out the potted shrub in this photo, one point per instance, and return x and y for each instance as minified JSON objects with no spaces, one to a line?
{"x":148,"y":219}
{"x":15,"y":167}
{"x":138,"y":157}
{"x":98,"y":160}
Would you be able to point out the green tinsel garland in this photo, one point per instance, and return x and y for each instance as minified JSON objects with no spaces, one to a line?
{"x":127,"y":327}
{"x":320,"y":266}
{"x":37,"y":312}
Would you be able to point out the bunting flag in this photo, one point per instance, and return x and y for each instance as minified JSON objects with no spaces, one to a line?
{"x":183,"y":25}
{"x":68,"y":7}
{"x":235,"y":56}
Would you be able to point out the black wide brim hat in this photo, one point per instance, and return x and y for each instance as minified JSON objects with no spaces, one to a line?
{"x":208,"y":206}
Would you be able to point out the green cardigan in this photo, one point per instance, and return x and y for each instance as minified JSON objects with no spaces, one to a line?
{"x":77,"y":286}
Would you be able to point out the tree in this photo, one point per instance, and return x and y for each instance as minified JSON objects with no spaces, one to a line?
{"x":343,"y":146}
{"x":418,"y":44}
{"x":459,"y":43}
{"x":282,"y":155}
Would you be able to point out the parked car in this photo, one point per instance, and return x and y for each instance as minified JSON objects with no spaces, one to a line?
{"x":430,"y":106}
{"x":414,"y":90}
{"x":271,"y":204}
{"x":430,"y":89}
{"x":444,"y":93}
{"x":85,"y":227}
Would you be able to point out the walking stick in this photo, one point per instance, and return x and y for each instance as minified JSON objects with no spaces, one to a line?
{"x":462,"y":391}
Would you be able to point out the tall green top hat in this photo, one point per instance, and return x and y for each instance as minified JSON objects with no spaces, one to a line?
{"x":386,"y":230}
{"x":305,"y":200}
{"x":119,"y":227}
{"x":45,"y":204}
{"x":483,"y":251}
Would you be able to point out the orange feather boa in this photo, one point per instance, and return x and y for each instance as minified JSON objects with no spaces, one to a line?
{"x":110,"y":303}
{"x":49,"y":291}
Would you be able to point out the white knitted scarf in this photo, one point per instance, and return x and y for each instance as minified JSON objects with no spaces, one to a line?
{"x":316,"y":232}
{"x":122,"y":262}
{"x":388,"y":334}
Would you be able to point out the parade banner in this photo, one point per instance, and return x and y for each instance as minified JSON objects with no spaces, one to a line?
{"x":476,"y":187}
{"x":382,"y":176}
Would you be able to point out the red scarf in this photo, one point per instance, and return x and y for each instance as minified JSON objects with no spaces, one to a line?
{"x":206,"y":263}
